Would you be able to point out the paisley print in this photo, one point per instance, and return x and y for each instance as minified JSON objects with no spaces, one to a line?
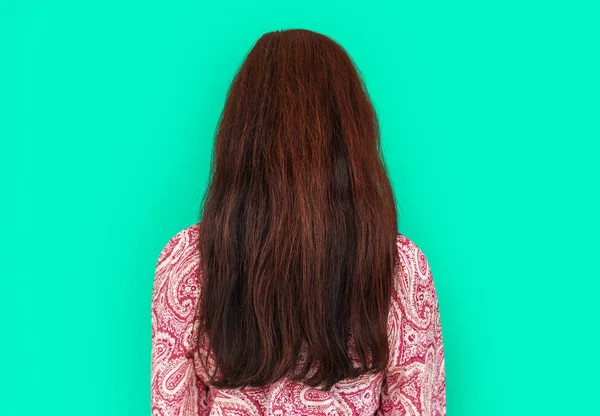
{"x":413,"y":384}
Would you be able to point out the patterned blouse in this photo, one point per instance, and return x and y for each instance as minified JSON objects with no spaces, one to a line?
{"x":414,"y":383}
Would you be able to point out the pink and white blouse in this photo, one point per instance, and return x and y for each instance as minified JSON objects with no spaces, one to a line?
{"x":414,"y":384}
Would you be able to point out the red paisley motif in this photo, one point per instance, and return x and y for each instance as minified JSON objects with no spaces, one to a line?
{"x":414,"y":382}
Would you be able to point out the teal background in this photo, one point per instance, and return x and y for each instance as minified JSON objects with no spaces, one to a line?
{"x":490,"y":126}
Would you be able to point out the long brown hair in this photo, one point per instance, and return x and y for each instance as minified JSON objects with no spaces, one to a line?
{"x":298,"y":231}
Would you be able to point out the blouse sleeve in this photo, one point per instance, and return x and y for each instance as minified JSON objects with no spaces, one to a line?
{"x":176,"y":390}
{"x":415,"y":381}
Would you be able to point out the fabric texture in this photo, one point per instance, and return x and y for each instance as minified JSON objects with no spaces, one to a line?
{"x":414,"y":383}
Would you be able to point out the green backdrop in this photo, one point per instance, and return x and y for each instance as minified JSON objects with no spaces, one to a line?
{"x":490,"y":124}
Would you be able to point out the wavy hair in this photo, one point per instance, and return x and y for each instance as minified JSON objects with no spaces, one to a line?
{"x":298,"y":225}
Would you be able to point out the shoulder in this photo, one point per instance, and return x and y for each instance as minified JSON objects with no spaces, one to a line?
{"x":176,"y":278}
{"x":414,"y":290}
{"x":411,"y":256}
{"x":174,"y":305}
{"x":179,"y":246}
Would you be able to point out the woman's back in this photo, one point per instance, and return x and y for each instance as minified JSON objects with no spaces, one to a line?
{"x":294,"y":294}
{"x":412,"y":384}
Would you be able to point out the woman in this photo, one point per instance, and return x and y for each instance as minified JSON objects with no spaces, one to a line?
{"x":294,"y":294}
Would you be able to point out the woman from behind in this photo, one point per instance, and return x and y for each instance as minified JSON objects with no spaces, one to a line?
{"x":294,"y":294}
